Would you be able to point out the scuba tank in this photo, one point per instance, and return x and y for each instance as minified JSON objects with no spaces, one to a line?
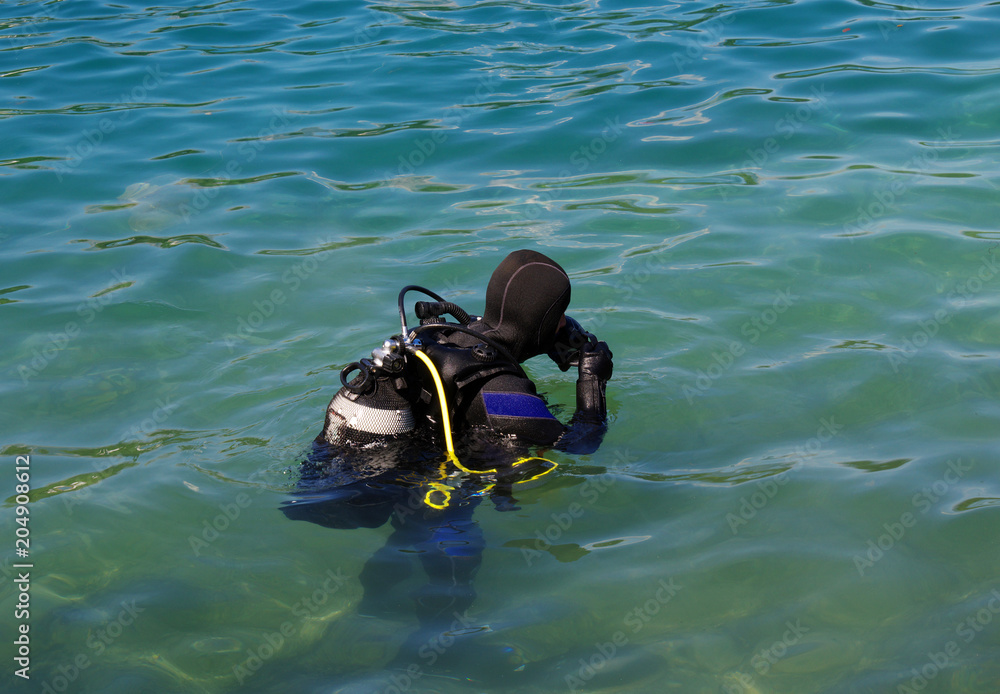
{"x":374,"y":403}
{"x":391,"y":393}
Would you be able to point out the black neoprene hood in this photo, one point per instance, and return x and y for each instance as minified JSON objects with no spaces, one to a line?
{"x":526,"y":297}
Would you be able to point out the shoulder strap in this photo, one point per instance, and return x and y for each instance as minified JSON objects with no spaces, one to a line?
{"x":480,"y":372}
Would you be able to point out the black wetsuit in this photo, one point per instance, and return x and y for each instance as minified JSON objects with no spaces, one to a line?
{"x":485,"y":386}
{"x":505,"y":401}
{"x":497,"y":415}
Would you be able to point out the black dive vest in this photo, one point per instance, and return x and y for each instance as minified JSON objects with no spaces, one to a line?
{"x":395,"y":403}
{"x":463,"y":370}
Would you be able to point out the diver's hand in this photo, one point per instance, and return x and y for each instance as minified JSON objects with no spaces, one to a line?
{"x":595,"y":371}
{"x":596,"y":362}
{"x":569,"y":341}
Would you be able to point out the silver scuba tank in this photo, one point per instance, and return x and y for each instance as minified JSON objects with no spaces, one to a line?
{"x":372,"y":405}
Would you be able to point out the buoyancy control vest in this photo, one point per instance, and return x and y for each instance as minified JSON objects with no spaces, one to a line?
{"x":393,"y":393}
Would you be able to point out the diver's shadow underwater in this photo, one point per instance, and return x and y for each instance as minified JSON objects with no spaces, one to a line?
{"x":431,"y":514}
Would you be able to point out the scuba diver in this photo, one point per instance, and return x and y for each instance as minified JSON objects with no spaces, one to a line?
{"x":479,"y":364}
{"x":379,"y":454}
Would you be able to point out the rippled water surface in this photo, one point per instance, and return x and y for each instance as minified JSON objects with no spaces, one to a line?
{"x":780,"y":214}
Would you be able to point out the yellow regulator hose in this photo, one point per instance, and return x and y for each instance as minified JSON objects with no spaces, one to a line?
{"x":446,"y":422}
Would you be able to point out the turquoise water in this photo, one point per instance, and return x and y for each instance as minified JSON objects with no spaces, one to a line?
{"x":781,"y":216}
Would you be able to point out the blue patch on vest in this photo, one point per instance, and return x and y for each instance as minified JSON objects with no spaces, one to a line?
{"x":516,"y":405}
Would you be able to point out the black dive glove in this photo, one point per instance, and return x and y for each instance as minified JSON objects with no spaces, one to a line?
{"x":570,"y":339}
{"x":595,"y":368}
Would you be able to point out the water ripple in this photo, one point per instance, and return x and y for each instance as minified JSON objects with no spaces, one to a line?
{"x":374,"y":129}
{"x":215,"y":182}
{"x":92,"y":108}
{"x":977,"y":503}
{"x":11,"y":290}
{"x":903,"y":70}
{"x":625,"y":178}
{"x":694,"y":114}
{"x":784,"y":43}
{"x":161,"y":242}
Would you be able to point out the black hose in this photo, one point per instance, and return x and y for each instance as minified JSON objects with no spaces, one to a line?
{"x":402,"y":311}
{"x":427,"y":309}
{"x":460,"y":328}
